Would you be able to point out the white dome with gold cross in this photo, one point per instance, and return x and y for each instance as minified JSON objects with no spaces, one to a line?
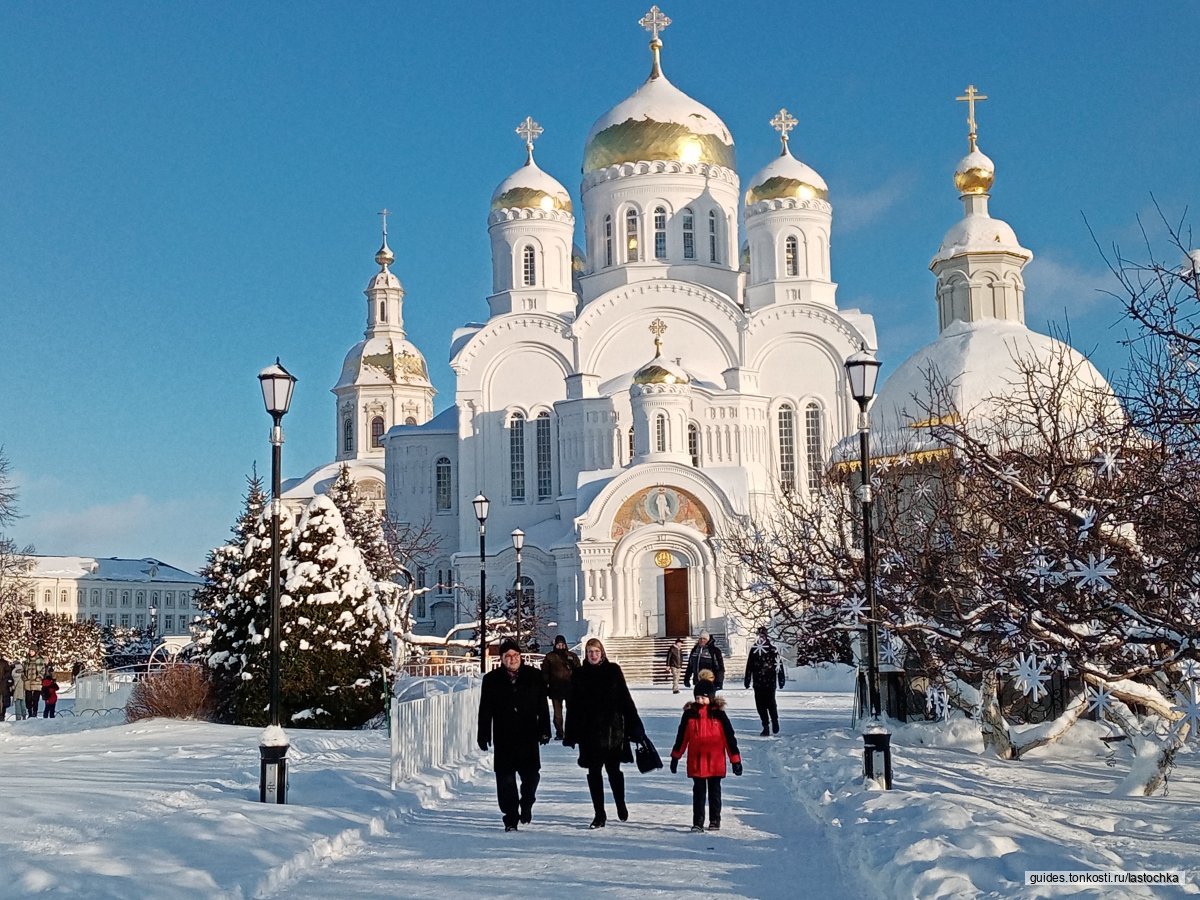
{"x":529,"y":187}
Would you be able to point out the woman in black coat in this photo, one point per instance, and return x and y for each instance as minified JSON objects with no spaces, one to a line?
{"x":602,"y":720}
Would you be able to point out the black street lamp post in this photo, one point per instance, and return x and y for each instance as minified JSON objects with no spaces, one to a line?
{"x":863,"y":371}
{"x":277,"y":384}
{"x":518,"y":539}
{"x":481,"y":504}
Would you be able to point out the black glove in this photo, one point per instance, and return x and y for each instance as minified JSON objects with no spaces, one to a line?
{"x":483,"y":744}
{"x":747,"y":684}
{"x":674,"y":765}
{"x":544,"y":739}
{"x":687,"y":682}
{"x":737,"y":768}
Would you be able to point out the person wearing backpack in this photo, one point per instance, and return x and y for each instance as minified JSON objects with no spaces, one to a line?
{"x":49,"y":693}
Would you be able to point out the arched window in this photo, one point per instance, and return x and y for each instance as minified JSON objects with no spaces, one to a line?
{"x":660,"y":433}
{"x":516,"y":457}
{"x":694,"y":443}
{"x":689,"y":235}
{"x":631,"y":235}
{"x":631,"y":443}
{"x":377,"y":431}
{"x":527,"y":594}
{"x":348,"y":435}
{"x":409,"y":420}
{"x":787,"y":447}
{"x":382,"y":310}
{"x":791,"y":255}
{"x":712,"y":236}
{"x":814,"y":444}
{"x":660,"y":233}
{"x":545,"y":464}
{"x":608,"y":241}
{"x":444,"y":488}
{"x":528,"y":266}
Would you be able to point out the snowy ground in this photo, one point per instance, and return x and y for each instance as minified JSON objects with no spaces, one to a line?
{"x":169,"y":809}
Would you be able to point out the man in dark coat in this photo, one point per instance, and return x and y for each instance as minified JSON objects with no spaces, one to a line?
{"x":764,"y":669}
{"x":514,"y":717}
{"x":705,"y":655}
{"x":558,"y":666}
{"x":675,"y":663}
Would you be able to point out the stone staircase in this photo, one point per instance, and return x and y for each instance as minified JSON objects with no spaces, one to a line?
{"x":643,"y":659}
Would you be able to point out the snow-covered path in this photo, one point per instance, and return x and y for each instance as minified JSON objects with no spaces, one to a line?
{"x":455,"y":846}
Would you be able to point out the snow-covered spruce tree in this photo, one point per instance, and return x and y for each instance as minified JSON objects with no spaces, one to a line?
{"x":62,"y":641}
{"x":218,"y":596}
{"x":238,"y":640}
{"x":363,"y":526}
{"x":125,"y":646}
{"x":336,"y":652}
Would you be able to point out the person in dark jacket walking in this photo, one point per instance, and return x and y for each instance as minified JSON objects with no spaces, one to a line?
{"x":602,"y":720}
{"x":705,"y":655}
{"x":558,"y":667}
{"x":764,"y":669}
{"x":514,"y":717}
{"x":706,"y":736}
{"x":6,"y":686}
{"x":675,"y":663}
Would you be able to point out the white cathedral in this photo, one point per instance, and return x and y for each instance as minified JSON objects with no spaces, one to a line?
{"x":623,"y":404}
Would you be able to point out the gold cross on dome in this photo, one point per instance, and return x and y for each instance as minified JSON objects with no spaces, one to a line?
{"x":529,"y":131}
{"x":784,"y":122}
{"x":654,"y":22}
{"x":658,"y":328}
{"x":970,"y":98}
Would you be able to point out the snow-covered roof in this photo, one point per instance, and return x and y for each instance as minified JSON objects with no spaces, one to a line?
{"x":317,"y":481}
{"x":383,"y":360}
{"x":445,"y":422}
{"x":531,"y":188}
{"x":783,"y":177}
{"x":111,"y":569}
{"x":621,"y":383}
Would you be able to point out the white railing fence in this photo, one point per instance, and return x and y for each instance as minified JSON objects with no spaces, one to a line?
{"x":435,"y":730}
{"x":104,"y":692}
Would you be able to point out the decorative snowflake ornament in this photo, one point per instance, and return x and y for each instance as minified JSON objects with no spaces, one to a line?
{"x":937,"y":702}
{"x":1099,"y":700}
{"x":854,"y":609}
{"x":1108,"y":464}
{"x":1088,"y":523}
{"x":889,"y":649}
{"x":1189,"y":711}
{"x":1094,"y":574}
{"x":1190,"y":670}
{"x":991,"y":553}
{"x":1028,"y":677}
{"x":1064,"y":666}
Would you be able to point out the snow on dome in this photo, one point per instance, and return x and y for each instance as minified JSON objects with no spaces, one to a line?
{"x":658,"y":122}
{"x":384,"y":278}
{"x":980,"y":233}
{"x":531,"y":188}
{"x":975,"y":173}
{"x":978,"y":362}
{"x":661,"y":371}
{"x":383,"y":360}
{"x":786,"y":177}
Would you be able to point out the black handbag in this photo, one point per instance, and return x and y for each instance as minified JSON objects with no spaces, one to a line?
{"x":646,"y":756}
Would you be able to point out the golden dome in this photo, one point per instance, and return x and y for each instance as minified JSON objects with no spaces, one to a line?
{"x":780,"y":187}
{"x":659,"y":371}
{"x":658,"y":122}
{"x":975,"y":174}
{"x":531,"y":188}
{"x":384,"y":255}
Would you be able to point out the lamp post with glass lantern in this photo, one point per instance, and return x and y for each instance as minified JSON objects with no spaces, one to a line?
{"x":277,"y":384}
{"x":518,"y":541}
{"x":862,"y":369}
{"x":481,"y":504}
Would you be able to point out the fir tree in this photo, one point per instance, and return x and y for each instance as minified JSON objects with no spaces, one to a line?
{"x":336,"y":654}
{"x":364,"y":526}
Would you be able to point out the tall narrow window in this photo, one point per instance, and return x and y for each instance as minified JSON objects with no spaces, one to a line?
{"x":631,"y":235}
{"x":787,"y":447}
{"x":790,"y":255}
{"x":712,"y":236}
{"x":631,"y":443}
{"x":348,"y":435}
{"x":689,"y":235}
{"x":694,"y":443}
{"x":660,"y":433}
{"x":377,"y":431}
{"x":545,"y":464}
{"x":608,"y":241}
{"x":660,"y":233}
{"x":528,"y":266}
{"x":382,"y":310}
{"x":444,"y":489}
{"x":814,"y":444}
{"x":516,"y":457}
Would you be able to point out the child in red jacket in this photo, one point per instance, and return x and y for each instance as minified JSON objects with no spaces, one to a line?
{"x":49,"y":693}
{"x":706,"y":735}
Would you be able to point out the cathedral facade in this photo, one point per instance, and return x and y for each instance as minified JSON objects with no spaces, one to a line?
{"x":624,"y":403}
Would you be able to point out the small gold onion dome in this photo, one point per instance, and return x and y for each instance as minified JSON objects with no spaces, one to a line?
{"x":975,"y":173}
{"x":384,"y":255}
{"x":661,"y":371}
{"x":531,"y":188}
{"x":785,"y":177}
{"x":658,"y":122}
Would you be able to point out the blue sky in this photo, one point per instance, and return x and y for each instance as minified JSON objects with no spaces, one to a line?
{"x":188,"y":190}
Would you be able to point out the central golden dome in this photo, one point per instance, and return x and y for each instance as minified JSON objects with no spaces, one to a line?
{"x":658,"y":122}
